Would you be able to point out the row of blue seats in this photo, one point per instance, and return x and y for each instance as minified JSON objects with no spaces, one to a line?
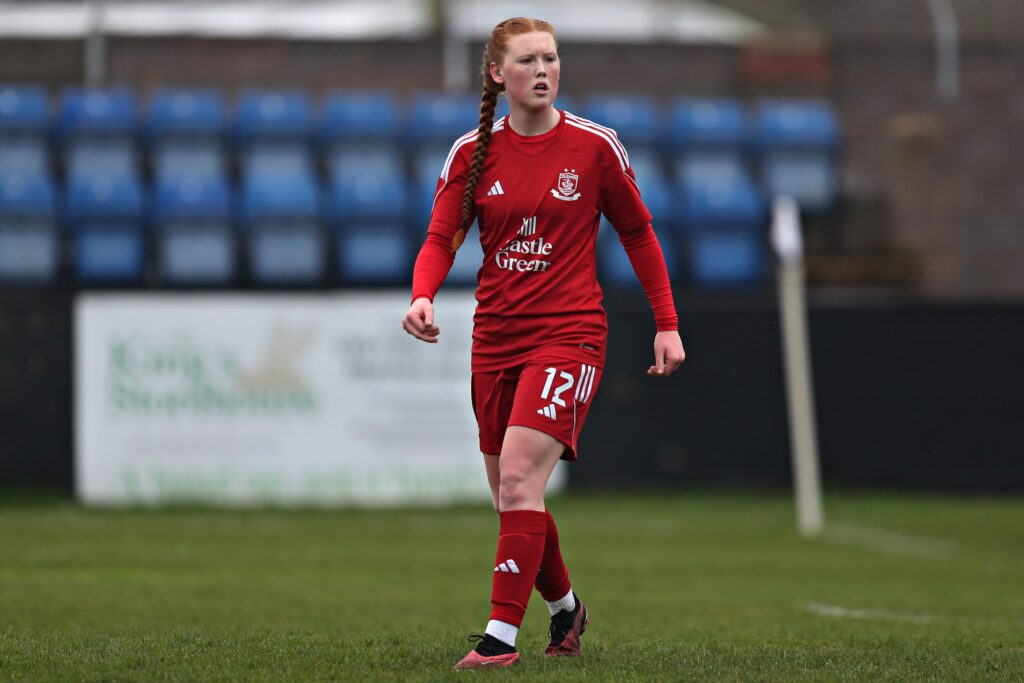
{"x":195,"y":239}
{"x":357,"y":197}
{"x":361,"y":136}
{"x":428,"y":117}
{"x":183,"y":197}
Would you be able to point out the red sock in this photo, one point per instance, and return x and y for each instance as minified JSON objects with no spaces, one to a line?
{"x":553,"y":579}
{"x":520,"y":547}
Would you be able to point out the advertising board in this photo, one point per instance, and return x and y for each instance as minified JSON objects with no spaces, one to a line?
{"x":315,"y":399}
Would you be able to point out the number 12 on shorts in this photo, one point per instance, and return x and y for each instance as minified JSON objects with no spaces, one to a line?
{"x":583,"y":387}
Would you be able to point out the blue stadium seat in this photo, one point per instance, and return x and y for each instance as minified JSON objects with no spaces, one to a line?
{"x":374,"y":253}
{"x":725,"y":227}
{"x":24,"y":121}
{"x":634,"y":117}
{"x":21,"y":153}
{"x":727,"y":257}
{"x":102,"y":155}
{"x":798,"y":142}
{"x":273,"y":114}
{"x":285,"y":159}
{"x":274,"y":131}
{"x":613,"y":262}
{"x":105,"y":214}
{"x":24,"y":108}
{"x":722,"y":203}
{"x":29,"y":238}
{"x":185,"y":130}
{"x":441,"y":118}
{"x":369,"y":206}
{"x":96,"y":110}
{"x":360,"y":115}
{"x":351,"y":158}
{"x":192,"y":222}
{"x":284,"y":240}
{"x":359,"y":130}
{"x":97,"y":129}
{"x":188,"y":157}
{"x":180,"y":111}
{"x":710,"y":138}
{"x":376,"y":192}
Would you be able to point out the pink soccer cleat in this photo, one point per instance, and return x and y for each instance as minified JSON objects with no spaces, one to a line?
{"x":565,"y":631}
{"x":490,"y":653}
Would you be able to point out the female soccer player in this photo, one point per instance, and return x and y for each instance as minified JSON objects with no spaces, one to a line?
{"x":537,"y":182}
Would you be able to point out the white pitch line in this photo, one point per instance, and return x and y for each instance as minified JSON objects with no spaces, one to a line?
{"x":837,"y":612}
{"x":890,"y":542}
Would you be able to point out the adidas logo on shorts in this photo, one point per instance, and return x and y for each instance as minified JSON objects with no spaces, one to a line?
{"x":548,"y":411}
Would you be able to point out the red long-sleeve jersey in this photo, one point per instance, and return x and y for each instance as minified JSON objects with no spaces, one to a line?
{"x":538,"y":204}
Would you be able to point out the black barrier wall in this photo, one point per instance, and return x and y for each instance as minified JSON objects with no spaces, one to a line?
{"x":916,"y":395}
{"x":720,"y":420}
{"x":910,"y":394}
{"x":35,"y":390}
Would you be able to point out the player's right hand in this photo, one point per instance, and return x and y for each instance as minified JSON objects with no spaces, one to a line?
{"x":419,"y":321}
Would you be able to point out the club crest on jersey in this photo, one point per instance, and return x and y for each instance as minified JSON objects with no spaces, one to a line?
{"x":567,"y":184}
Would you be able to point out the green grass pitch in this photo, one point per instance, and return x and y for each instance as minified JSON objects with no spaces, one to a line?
{"x":685,"y":587}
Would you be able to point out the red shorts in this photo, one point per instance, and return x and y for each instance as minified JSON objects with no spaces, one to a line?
{"x":550,"y":395}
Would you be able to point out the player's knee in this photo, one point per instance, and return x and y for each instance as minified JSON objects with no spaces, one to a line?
{"x":510,"y":490}
{"x":514,"y":492}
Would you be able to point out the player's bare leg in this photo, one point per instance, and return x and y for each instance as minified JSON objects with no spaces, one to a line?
{"x":523,"y":478}
{"x":522,"y":484}
{"x":527,"y":459}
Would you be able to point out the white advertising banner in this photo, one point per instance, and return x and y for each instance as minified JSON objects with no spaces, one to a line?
{"x":282,"y":399}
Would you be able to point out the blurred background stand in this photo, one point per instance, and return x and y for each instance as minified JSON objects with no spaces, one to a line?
{"x":291,"y":150}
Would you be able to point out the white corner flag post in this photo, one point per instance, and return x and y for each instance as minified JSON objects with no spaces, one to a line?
{"x":788,"y":244}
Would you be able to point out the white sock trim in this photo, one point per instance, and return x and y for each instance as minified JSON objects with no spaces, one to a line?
{"x":506,"y":633}
{"x":567,"y":602}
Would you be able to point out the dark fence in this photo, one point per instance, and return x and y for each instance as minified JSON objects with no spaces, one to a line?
{"x":910,"y":394}
{"x":35,"y":390}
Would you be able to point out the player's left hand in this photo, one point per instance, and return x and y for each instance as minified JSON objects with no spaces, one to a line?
{"x":668,"y":354}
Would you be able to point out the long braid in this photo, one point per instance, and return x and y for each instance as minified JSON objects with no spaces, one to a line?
{"x":488,"y":103}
